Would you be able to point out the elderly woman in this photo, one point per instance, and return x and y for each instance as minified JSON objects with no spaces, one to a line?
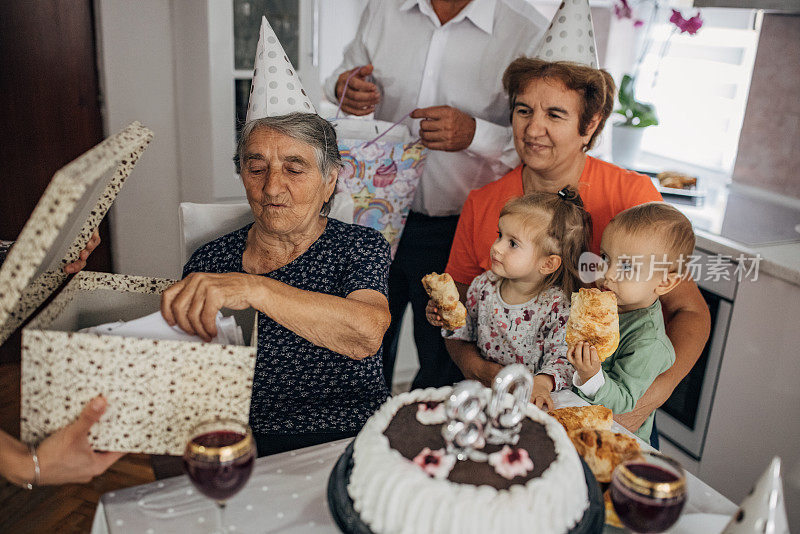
{"x":557,"y":111}
{"x":319,"y":285}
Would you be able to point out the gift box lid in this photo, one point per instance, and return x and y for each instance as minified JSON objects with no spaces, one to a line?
{"x":71,"y":208}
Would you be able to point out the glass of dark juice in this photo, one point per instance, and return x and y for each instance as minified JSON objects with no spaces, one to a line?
{"x":648,"y":492}
{"x":219,"y":458}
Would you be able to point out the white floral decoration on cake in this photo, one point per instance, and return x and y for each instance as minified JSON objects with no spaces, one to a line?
{"x":431,"y":413}
{"x":511,"y":462}
{"x":436,"y":464}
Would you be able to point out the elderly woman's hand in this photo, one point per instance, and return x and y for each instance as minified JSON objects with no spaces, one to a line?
{"x":193,"y":302}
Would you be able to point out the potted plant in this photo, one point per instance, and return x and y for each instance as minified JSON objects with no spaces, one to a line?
{"x":627,"y":134}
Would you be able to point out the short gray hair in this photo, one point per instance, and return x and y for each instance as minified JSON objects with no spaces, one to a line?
{"x":308,"y":128}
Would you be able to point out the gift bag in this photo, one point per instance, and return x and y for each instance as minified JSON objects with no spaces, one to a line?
{"x":382,"y":167}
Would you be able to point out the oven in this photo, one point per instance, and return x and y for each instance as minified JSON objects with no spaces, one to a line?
{"x":683,"y":418}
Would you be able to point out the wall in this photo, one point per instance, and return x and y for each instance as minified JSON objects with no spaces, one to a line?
{"x":135,"y":57}
{"x":767,"y":155}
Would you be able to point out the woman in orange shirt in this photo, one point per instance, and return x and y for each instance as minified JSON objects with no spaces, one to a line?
{"x":557,"y":111}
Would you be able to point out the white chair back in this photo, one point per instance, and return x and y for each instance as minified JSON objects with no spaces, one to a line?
{"x":201,"y":223}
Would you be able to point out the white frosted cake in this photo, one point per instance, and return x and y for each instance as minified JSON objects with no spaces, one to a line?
{"x":403,"y":482}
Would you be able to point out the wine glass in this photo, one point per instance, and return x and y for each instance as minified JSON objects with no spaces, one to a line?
{"x":219,"y":458}
{"x":648,"y":492}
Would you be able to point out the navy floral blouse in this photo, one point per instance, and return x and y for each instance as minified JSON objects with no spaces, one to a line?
{"x":299,"y":387}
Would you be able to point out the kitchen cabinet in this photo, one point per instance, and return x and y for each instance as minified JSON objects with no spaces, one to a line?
{"x":756,"y":411}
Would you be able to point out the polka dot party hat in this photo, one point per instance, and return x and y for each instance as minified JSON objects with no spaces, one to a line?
{"x":570,"y":36}
{"x":763,"y":511}
{"x":276,"y":88}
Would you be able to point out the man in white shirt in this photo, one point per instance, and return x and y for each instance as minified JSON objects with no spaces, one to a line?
{"x":442,"y":61}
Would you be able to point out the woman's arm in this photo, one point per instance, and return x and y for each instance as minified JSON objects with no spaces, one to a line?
{"x":467,"y":358}
{"x":64,"y":457}
{"x":688,"y":325}
{"x":353,"y":326}
{"x":465,"y":354}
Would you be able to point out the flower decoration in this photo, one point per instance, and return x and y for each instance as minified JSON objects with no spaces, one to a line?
{"x":436,"y":464}
{"x":431,"y":413}
{"x":639,"y":114}
{"x":690,"y":26}
{"x":622,"y":10}
{"x":511,"y":462}
{"x":627,"y":9}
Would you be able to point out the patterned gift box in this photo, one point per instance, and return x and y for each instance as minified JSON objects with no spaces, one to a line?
{"x":157,"y":389}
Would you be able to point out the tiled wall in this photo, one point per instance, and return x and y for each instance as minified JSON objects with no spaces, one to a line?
{"x":769,"y":146}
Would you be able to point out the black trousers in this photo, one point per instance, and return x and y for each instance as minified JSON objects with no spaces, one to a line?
{"x":424,"y":248}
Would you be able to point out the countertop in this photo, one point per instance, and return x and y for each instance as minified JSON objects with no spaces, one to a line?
{"x":729,"y":208}
{"x":780,"y":260}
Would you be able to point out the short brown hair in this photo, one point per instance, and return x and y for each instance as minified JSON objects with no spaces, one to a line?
{"x":567,"y":233}
{"x":595,"y":87}
{"x":659,"y":220}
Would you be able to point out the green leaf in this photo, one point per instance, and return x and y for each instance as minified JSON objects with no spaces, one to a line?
{"x":626,"y":91}
{"x":637,"y":114}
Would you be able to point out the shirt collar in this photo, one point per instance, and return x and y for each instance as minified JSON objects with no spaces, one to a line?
{"x":480,"y":12}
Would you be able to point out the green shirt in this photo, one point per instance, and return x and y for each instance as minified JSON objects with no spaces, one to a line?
{"x":644,"y":352}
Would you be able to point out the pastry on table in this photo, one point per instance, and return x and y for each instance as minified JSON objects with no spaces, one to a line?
{"x":593,"y":318}
{"x":442,"y":290}
{"x":676,"y":180}
{"x":579,"y":417}
{"x":603,"y":450}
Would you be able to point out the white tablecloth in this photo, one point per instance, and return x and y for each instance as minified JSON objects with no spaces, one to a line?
{"x":286,"y":493}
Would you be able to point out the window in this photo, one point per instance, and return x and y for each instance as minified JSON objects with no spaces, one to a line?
{"x":284,"y":17}
{"x":699,"y":87}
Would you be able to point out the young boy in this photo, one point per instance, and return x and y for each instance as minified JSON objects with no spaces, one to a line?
{"x":646,"y":249}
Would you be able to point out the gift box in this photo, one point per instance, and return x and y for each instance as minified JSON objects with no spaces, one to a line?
{"x":156,"y":389}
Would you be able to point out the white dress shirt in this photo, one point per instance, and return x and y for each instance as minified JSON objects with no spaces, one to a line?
{"x":421,"y":63}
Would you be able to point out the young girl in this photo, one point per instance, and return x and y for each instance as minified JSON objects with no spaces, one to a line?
{"x":517,"y":311}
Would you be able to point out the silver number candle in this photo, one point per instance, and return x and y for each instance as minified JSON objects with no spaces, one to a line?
{"x":511,"y":393}
{"x":466,"y":419}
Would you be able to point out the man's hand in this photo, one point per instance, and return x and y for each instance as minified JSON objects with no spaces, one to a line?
{"x":361,"y":96}
{"x":80,"y":263}
{"x":445,"y":128}
{"x":584,"y":358}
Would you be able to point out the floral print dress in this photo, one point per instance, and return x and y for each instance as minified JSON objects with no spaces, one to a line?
{"x":532,"y":333}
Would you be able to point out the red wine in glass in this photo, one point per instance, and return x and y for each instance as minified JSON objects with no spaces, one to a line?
{"x":219,"y":459}
{"x":648,"y":492}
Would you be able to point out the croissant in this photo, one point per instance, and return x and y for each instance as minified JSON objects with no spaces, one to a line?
{"x":442,"y":290}
{"x":577,"y":417}
{"x":593,"y":318}
{"x":603,"y":450}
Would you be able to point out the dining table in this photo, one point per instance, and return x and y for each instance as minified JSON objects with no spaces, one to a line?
{"x":287,"y":493}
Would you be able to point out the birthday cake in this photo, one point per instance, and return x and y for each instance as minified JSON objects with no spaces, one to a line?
{"x":405,"y":478}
